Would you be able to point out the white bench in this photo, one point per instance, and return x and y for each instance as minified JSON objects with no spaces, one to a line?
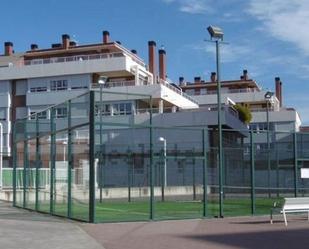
{"x":292,"y":205}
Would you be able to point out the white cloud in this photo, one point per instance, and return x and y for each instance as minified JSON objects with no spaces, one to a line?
{"x":229,"y":53}
{"x":192,"y":6}
{"x":286,"y":20}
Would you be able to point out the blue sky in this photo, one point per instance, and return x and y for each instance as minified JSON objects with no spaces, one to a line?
{"x":267,"y":37}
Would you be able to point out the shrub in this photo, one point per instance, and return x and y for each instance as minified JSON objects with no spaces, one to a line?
{"x":244,"y":113}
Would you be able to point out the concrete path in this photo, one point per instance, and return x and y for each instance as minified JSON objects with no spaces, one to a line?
{"x":245,"y":233}
{"x":21,"y":229}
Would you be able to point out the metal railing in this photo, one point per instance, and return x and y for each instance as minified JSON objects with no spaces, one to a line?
{"x":175,"y":89}
{"x":73,"y":58}
{"x":213,"y":92}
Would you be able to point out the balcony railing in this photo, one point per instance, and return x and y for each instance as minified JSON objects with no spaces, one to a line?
{"x":179,"y":91}
{"x":212,"y":92}
{"x":262,"y":109}
{"x":72,"y":58}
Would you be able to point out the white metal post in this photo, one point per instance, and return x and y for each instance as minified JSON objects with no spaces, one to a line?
{"x":162,"y":139}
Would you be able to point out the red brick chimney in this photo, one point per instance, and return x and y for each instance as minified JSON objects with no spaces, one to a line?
{"x":278,"y":84}
{"x":106,"y":37}
{"x":65,"y":41}
{"x":152,"y":57}
{"x":73,"y":44}
{"x":8,"y":48}
{"x":197,"y":80}
{"x":181,"y":81}
{"x":34,"y":47}
{"x":245,"y":75}
{"x":213,"y":77}
{"x":162,"y":64}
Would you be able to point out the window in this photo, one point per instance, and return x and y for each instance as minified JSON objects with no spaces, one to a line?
{"x":2,"y":114}
{"x":190,"y":91}
{"x":79,"y":87}
{"x":106,"y":110}
{"x":122,"y":109}
{"x":38,"y":89}
{"x":203,"y":91}
{"x":61,"y":112}
{"x":40,"y":115}
{"x":58,"y":85}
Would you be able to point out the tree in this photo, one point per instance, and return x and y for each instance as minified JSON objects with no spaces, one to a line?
{"x":244,"y":113}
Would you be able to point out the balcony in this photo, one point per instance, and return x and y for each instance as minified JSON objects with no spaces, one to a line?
{"x":82,"y":64}
{"x":224,"y":91}
{"x":72,"y":58}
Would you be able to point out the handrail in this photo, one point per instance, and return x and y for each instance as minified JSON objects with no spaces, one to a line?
{"x":175,"y":89}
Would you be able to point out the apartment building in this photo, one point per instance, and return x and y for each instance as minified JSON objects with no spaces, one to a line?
{"x":33,"y":80}
{"x":247,"y":92}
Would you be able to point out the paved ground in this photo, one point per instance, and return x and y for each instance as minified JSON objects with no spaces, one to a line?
{"x":21,"y":229}
{"x":248,"y":233}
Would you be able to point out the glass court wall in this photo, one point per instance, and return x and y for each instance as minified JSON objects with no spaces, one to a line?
{"x":101,"y":157}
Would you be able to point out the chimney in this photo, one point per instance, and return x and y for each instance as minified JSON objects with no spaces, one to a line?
{"x":181,"y":81}
{"x":197,"y":80}
{"x":278,"y":84}
{"x":72,"y":43}
{"x":133,"y":51}
{"x":106,"y":37}
{"x":34,"y":47}
{"x":65,"y":41}
{"x":162,"y":64}
{"x":245,"y":75}
{"x":56,"y":45}
{"x":152,"y":57}
{"x":213,"y":77}
{"x":8,"y":48}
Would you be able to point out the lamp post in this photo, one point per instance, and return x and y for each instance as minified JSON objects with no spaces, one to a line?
{"x":216,"y":35}
{"x":268,"y":96}
{"x":162,"y":139}
{"x":164,"y":183}
{"x":102,"y":81}
{"x":64,"y":143}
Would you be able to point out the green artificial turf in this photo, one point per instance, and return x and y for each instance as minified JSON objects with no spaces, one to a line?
{"x":109,"y":211}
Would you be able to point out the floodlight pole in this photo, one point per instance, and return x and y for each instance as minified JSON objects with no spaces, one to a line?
{"x":268,"y":148}
{"x":101,"y":141}
{"x":220,"y":147}
{"x":216,"y":35}
{"x":101,"y":82}
{"x":268,"y":96}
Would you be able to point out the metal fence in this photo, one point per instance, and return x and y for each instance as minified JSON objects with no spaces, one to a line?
{"x":84,"y":165}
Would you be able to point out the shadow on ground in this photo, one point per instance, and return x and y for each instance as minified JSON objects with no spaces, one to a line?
{"x":298,"y":238}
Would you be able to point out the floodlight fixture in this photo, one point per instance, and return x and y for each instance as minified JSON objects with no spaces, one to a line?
{"x":269,"y":95}
{"x":215,"y":32}
{"x":102,"y":80}
{"x":162,"y":139}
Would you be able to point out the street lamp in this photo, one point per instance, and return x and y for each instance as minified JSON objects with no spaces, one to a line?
{"x":216,"y":35}
{"x":64,"y":143}
{"x":268,"y":96}
{"x":162,"y":139}
{"x":102,"y":81}
{"x":164,"y":178}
